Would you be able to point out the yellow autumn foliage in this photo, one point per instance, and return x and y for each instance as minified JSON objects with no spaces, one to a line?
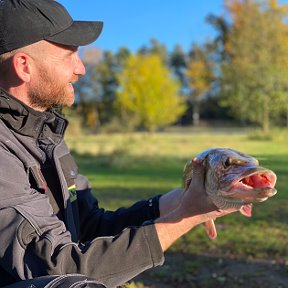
{"x":148,"y":93}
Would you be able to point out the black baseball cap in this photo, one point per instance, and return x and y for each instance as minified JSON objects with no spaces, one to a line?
{"x":23,"y":22}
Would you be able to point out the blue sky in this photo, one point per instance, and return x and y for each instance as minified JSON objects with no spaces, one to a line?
{"x":132,"y":23}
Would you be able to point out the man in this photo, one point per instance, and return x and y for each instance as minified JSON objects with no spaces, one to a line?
{"x":50,"y":223}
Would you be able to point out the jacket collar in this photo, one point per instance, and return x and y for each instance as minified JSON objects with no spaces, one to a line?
{"x":24,"y":120}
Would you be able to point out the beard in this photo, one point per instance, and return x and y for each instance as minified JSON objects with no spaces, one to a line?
{"x":50,"y":92}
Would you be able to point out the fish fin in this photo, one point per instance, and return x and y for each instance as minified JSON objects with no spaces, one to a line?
{"x":246,"y":210}
{"x":211,"y":229}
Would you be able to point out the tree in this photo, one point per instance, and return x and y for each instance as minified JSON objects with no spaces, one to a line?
{"x":200,"y":76}
{"x":155,"y":48}
{"x":223,"y":27}
{"x":87,"y":89}
{"x":178,"y":64}
{"x":255,"y":75}
{"x":148,"y":94}
{"x":106,"y":75}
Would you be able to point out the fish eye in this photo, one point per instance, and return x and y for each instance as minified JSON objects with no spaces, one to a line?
{"x":228,"y":162}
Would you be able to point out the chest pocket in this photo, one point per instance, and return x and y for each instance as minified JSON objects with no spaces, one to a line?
{"x":70,"y":171}
{"x":46,"y":181}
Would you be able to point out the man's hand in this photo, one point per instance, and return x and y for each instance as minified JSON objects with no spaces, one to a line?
{"x":194,"y":207}
{"x":195,"y":201}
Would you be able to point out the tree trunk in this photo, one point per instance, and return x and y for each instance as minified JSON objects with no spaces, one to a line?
{"x":266,"y":116}
{"x":196,"y":115}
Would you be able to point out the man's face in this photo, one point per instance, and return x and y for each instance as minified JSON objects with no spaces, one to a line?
{"x":55,"y":69}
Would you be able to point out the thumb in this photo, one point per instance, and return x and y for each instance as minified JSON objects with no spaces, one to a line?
{"x":198,"y":173}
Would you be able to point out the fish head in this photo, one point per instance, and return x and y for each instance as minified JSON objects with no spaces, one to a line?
{"x":233,"y":179}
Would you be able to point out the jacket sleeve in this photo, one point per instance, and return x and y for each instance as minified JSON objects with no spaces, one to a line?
{"x":95,"y":221}
{"x":34,"y":242}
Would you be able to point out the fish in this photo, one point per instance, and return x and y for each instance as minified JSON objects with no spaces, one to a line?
{"x":232,"y":180}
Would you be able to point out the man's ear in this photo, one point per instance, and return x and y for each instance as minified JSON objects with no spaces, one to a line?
{"x":22,"y":66}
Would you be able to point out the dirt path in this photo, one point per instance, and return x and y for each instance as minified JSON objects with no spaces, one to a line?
{"x":196,"y":271}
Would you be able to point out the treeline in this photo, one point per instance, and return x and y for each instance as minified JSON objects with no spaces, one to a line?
{"x":241,"y":75}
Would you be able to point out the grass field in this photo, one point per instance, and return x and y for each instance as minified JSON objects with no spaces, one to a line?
{"x":125,"y":168}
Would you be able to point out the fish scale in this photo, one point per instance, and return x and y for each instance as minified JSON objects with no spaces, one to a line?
{"x":222,"y":203}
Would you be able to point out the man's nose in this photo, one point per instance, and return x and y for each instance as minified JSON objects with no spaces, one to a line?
{"x":79,"y":66}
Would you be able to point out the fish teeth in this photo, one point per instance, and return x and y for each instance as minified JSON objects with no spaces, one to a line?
{"x":246,"y":185}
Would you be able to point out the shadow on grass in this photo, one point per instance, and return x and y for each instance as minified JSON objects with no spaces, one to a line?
{"x":153,"y":166}
{"x":193,"y":270}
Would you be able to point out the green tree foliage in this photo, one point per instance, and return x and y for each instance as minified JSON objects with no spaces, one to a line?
{"x":106,"y":76}
{"x":88,"y":90}
{"x":255,"y":75}
{"x":200,"y":76}
{"x":148,"y":94}
{"x":222,"y":26}
{"x":178,"y":64}
{"x":156,"y":48}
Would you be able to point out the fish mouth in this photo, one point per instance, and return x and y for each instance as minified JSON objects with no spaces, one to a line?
{"x":257,"y":185}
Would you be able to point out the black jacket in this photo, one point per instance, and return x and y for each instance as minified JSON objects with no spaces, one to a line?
{"x":50,"y":222}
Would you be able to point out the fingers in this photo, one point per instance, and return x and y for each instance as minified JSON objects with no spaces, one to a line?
{"x":197,"y":165}
{"x":210,"y":228}
{"x":196,"y":200}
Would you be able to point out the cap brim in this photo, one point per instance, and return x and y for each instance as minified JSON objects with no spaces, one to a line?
{"x":80,"y":33}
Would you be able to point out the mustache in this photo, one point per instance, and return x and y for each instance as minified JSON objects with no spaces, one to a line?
{"x":74,"y":79}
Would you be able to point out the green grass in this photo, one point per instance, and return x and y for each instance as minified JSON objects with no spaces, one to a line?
{"x":125,"y":168}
